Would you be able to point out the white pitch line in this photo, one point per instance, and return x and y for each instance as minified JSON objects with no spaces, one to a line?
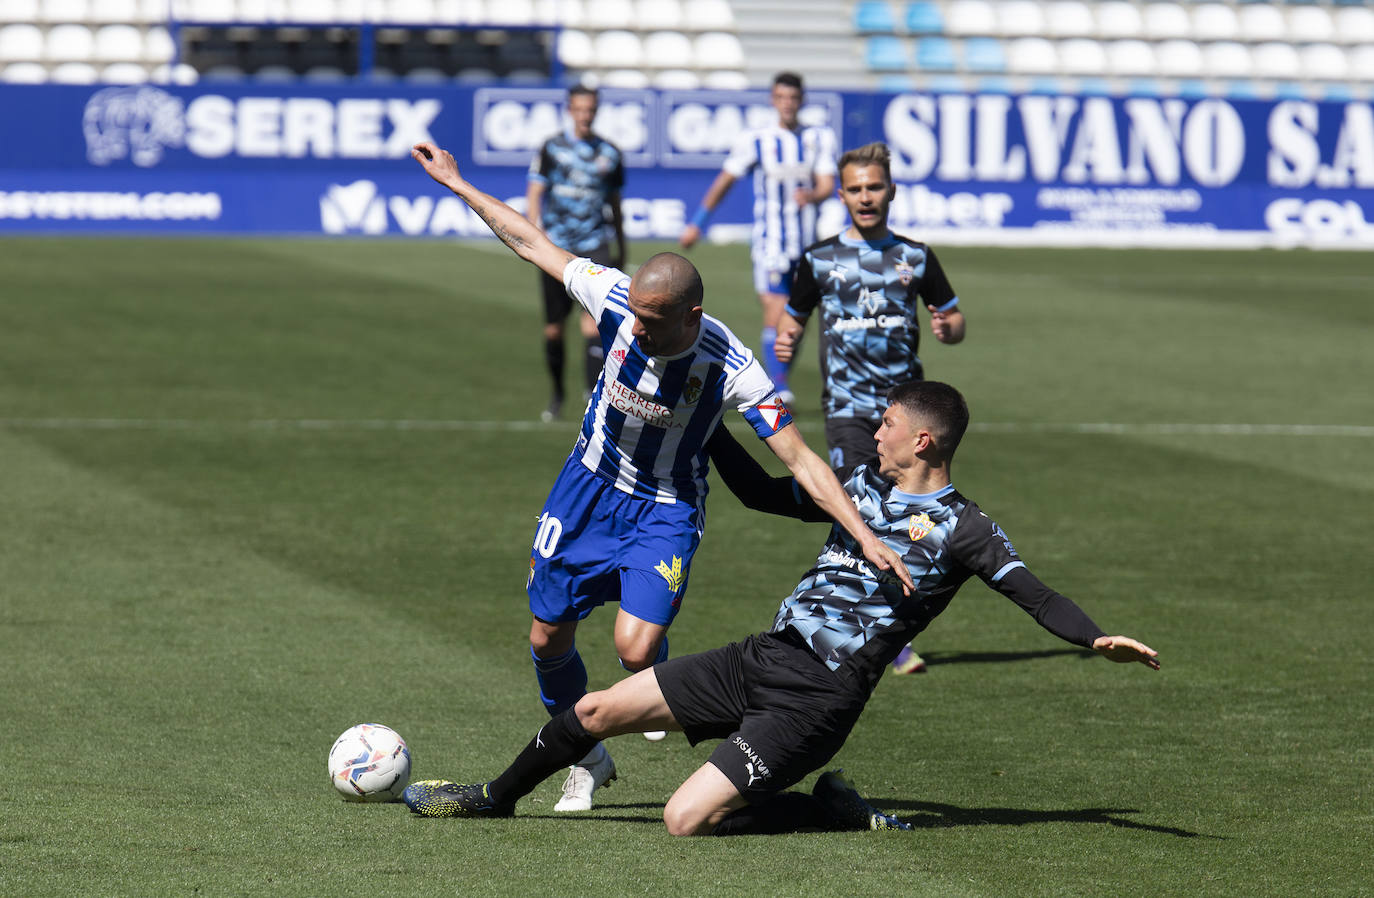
{"x":454,"y":425}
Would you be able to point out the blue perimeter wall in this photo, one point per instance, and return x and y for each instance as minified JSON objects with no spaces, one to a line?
{"x":244,"y":158}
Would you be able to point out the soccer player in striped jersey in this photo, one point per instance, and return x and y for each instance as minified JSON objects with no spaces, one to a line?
{"x":784,"y":702}
{"x":573,"y":194}
{"x":626,"y":514}
{"x":869,"y":285}
{"x":794,"y":170}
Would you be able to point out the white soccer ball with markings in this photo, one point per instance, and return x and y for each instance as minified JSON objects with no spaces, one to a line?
{"x":369,"y":762}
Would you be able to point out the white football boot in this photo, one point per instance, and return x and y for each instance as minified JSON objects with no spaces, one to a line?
{"x":585,"y":777}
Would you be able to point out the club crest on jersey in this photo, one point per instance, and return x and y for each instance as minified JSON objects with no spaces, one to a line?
{"x":919,"y":526}
{"x":691,"y":391}
{"x":773,"y":411}
{"x":531,"y":577}
{"x":904,"y":272}
{"x":672,"y":574}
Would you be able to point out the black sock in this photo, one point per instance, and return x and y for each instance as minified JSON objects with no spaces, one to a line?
{"x":561,"y":743}
{"x":785,"y":812}
{"x":553,"y":357}
{"x":595,"y":360}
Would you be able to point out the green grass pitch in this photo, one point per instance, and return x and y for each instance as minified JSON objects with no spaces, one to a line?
{"x":257,"y":491}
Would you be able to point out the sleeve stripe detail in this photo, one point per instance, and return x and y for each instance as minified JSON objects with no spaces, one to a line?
{"x":1006,"y":569}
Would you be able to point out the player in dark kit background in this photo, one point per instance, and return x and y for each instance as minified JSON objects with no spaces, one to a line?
{"x":869,"y":285}
{"x":784,"y":702}
{"x":573,"y":196}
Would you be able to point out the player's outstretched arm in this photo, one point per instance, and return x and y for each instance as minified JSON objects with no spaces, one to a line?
{"x":1124,"y":650}
{"x":513,"y":229}
{"x":816,"y":478}
{"x":714,"y":194}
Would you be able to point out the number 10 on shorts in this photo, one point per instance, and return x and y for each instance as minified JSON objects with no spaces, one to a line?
{"x":547,"y":536}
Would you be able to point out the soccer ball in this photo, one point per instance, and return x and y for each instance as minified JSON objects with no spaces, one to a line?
{"x":369,"y":762}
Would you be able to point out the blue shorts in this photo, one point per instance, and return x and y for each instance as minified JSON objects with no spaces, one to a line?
{"x":773,"y":274}
{"x":595,"y":544}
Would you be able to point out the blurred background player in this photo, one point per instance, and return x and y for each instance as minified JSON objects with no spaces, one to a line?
{"x":573,"y":195}
{"x":868,"y":283}
{"x":794,"y":169}
{"x":627,"y":512}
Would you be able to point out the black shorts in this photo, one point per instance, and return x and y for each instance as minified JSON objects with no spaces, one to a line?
{"x":851,"y":444}
{"x":557,"y":302}
{"x":780,"y":711}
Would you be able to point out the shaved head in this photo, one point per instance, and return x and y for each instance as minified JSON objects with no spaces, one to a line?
{"x":671,"y":278}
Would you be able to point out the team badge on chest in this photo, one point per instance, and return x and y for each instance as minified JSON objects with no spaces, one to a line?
{"x":919,"y":526}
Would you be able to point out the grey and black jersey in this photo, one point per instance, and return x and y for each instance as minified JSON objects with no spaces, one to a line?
{"x":870,"y":329}
{"x":856,"y":618}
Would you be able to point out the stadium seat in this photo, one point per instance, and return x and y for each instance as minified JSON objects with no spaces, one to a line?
{"x":1045,"y":87}
{"x":1360,"y":63}
{"x":1338,"y":93}
{"x":629,"y":78}
{"x":924,"y":17}
{"x":205,"y":11}
{"x":1214,"y":22}
{"x":1032,"y":56}
{"x":1242,"y":90}
{"x":574,"y":49}
{"x":411,"y":12}
{"x":275,"y":74}
{"x":658,"y":15}
{"x":311,"y":11}
{"x":1289,"y":90}
{"x":1226,"y":59}
{"x":610,"y":14}
{"x":677,"y":79}
{"x":1276,"y":59}
{"x":1095,"y":87}
{"x":708,"y":15}
{"x":21,"y":11}
{"x":1309,"y":24}
{"x":668,"y":50}
{"x":112,"y":12}
{"x":1194,"y":89}
{"x":58,"y":11}
{"x":24,"y":73}
{"x":21,"y":43}
{"x":1164,"y":21}
{"x":895,"y":84}
{"x":476,"y":75}
{"x":935,"y":54}
{"x":885,"y":53}
{"x":1082,"y":56}
{"x":1178,"y":58}
{"x":118,"y":43}
{"x":874,"y":17}
{"x":1145,"y":87}
{"x":180,"y":73}
{"x":984,"y":55}
{"x":970,"y":17}
{"x":1355,"y":25}
{"x":158,"y":46}
{"x":1323,"y":61}
{"x":74,"y":73}
{"x":725,"y":80}
{"x":1069,"y":18}
{"x":1261,"y":22}
{"x":616,"y":49}
{"x":224,"y":73}
{"x":1119,"y":19}
{"x":155,"y":11}
{"x":518,"y":13}
{"x":946,"y":84}
{"x":68,"y":43}
{"x":718,"y":50}
{"x":1130,"y":57}
{"x":1021,"y":18}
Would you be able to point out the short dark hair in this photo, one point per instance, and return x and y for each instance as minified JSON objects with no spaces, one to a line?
{"x":582,"y":90}
{"x":875,"y":153}
{"x":788,"y":79}
{"x":937,"y":405}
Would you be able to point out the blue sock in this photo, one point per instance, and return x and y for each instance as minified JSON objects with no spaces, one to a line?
{"x":776,"y":369}
{"x":562,"y":680}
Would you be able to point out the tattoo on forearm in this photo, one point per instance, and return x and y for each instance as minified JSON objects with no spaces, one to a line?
{"x":514,"y":241}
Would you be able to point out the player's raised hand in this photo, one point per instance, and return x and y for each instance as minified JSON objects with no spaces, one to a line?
{"x":437,"y":162}
{"x":690,"y":235}
{"x":1124,"y":650}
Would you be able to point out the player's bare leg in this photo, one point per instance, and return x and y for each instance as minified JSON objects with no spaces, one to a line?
{"x":640,"y":644}
{"x":701,"y":802}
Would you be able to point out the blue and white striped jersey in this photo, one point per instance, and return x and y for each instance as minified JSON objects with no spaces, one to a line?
{"x":782,"y":160}
{"x":649,"y":417}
